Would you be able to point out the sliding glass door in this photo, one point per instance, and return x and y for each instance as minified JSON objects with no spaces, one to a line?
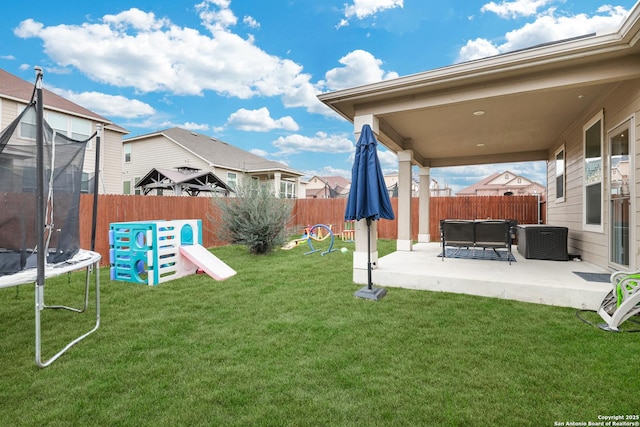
{"x":621,"y":181}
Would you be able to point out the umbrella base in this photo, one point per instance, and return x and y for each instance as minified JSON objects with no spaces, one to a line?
{"x":374,"y":294}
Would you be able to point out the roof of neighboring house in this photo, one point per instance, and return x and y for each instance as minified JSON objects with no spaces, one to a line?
{"x":219,"y":153}
{"x":14,"y":88}
{"x":334,"y":181}
{"x":488,"y":184}
{"x":313,"y":192}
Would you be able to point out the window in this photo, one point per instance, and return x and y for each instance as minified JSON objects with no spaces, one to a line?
{"x":80,"y":129}
{"x":58,"y":122}
{"x":287,"y":190}
{"x":592,"y":133}
{"x":28,"y":125}
{"x":560,"y":164}
{"x":86,"y":185}
{"x":136,"y":189}
{"x":232,"y":180}
{"x":71,"y":127}
{"x":126,"y":187}
{"x":127,"y":153}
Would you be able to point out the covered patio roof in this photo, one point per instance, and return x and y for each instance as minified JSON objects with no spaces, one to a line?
{"x":506,"y":108}
{"x":192,"y":181}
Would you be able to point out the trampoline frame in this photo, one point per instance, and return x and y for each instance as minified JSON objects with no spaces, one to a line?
{"x":83,"y":259}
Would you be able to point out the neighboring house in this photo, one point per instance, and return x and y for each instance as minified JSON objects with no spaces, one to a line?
{"x":436,"y":191}
{"x":72,"y":120}
{"x":503,"y":184}
{"x":573,"y":103}
{"x":327,"y":187}
{"x":391,"y":181}
{"x":180,"y":148}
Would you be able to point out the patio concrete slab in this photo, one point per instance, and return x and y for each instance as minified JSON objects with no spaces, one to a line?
{"x":528,"y":280}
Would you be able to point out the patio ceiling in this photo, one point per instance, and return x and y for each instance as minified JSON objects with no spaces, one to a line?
{"x":527,"y":98}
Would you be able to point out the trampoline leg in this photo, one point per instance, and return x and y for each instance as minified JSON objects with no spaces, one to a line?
{"x":41,"y":306}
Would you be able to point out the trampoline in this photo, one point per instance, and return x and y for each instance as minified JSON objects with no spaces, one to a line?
{"x":41,"y":178}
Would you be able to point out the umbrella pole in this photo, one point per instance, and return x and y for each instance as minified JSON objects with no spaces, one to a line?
{"x":369,"y":292}
{"x":369,"y":284}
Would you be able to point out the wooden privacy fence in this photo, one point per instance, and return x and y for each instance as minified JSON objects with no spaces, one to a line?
{"x":126,"y":208}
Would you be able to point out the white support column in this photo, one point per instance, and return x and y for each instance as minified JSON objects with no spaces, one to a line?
{"x":276,"y":183}
{"x":424,"y":220}
{"x":404,"y":242}
{"x":299,"y":193}
{"x":360,"y":271}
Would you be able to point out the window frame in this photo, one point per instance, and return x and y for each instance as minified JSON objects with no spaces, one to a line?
{"x":126,"y":152}
{"x":561,"y":177}
{"x":136,"y":190}
{"x":591,"y":181}
{"x":287,"y":189}
{"x":232,"y":180}
{"x":65,"y":124}
{"x":27,"y":124}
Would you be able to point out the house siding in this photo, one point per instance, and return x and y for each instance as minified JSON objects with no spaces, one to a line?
{"x":111,"y":153}
{"x":161,"y":153}
{"x":619,"y":105}
{"x":176,"y":147}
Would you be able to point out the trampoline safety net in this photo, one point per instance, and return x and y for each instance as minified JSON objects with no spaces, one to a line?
{"x":63,"y":165}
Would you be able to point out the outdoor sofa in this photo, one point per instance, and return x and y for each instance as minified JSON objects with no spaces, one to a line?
{"x":473,"y":234}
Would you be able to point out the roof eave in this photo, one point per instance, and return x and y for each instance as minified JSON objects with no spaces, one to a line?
{"x":496,"y":67}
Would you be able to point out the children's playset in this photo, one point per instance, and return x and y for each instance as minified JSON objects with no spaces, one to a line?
{"x":153,"y":252}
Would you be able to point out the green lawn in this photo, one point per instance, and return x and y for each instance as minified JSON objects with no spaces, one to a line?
{"x":285,"y":343}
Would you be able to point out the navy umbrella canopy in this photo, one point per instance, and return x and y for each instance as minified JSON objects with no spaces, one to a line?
{"x":368,"y":197}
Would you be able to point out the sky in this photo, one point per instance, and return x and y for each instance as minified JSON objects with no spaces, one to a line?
{"x":248,"y":72}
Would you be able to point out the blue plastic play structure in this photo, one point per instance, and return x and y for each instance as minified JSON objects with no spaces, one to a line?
{"x":149,"y":251}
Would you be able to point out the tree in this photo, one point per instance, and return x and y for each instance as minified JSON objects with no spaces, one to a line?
{"x":255,"y":218}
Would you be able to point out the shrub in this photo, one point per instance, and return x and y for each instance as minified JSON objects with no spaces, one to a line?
{"x":255,"y":218}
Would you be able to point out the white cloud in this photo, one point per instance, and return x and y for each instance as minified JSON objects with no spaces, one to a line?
{"x":136,"y":49}
{"x":342,"y":23}
{"x":250,"y":22}
{"x":546,"y":27}
{"x":319,"y":143}
{"x":260,"y":120}
{"x":360,"y":67}
{"x":363,"y":8}
{"x":515,"y":9}
{"x":259,"y":152}
{"x":139,"y":50}
{"x":216,"y":15}
{"x":136,"y":19}
{"x":200,"y":127}
{"x":327,"y":171}
{"x":157,"y":122}
{"x":388,"y":159}
{"x":108,"y":105}
{"x":478,"y":48}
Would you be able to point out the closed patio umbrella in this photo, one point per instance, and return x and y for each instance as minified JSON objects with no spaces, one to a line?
{"x":368,"y":197}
